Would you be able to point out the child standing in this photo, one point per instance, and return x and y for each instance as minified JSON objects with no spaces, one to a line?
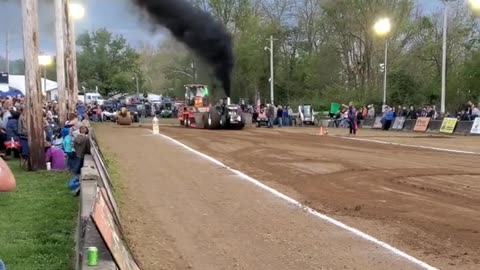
{"x":81,"y":144}
{"x":67,"y":147}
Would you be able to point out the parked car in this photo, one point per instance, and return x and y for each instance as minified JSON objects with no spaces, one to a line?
{"x":133,"y":109}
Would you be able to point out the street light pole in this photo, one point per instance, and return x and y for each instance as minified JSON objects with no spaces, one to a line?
{"x":45,"y":79}
{"x":7,"y":52}
{"x":138,"y":89}
{"x":385,"y":67}
{"x":194,"y":71}
{"x":272,"y":97}
{"x":383,"y":27}
{"x":271,"y":71}
{"x":444,"y":58}
{"x":44,"y":61}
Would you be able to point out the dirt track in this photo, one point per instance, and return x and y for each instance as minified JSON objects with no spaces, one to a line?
{"x":423,"y":202}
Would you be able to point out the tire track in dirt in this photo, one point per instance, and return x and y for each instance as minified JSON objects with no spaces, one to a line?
{"x":398,"y":188}
{"x":203,"y":217}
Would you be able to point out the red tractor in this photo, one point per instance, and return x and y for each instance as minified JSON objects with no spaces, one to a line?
{"x":198,"y":113}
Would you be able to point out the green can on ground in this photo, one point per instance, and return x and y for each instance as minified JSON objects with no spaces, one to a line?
{"x":92,"y":256}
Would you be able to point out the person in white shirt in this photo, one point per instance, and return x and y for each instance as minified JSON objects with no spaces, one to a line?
{"x":476,"y":111}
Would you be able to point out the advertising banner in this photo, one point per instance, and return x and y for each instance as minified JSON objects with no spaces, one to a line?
{"x":399,"y":123}
{"x":476,"y":126}
{"x":448,"y":125}
{"x":378,"y":123}
{"x":422,"y":124}
{"x":107,"y":227}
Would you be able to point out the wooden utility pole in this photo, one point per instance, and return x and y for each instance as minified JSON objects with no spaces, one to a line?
{"x":33,"y":108}
{"x":68,"y":57}
{"x":71,"y":58}
{"x":59,"y":33}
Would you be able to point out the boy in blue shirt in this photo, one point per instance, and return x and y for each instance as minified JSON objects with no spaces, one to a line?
{"x":68,"y":148}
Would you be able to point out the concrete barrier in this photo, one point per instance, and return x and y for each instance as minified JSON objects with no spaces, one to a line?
{"x":434,"y":126}
{"x":248,"y":120}
{"x":464,"y":128}
{"x":324,"y":123}
{"x":368,"y":123}
{"x":87,"y":233}
{"x":331,"y":123}
{"x":409,"y":124}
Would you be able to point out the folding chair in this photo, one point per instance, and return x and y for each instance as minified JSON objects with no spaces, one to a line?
{"x":13,"y":146}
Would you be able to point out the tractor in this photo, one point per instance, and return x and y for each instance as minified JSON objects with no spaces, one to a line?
{"x":198,"y":113}
{"x":306,"y":115}
{"x":166,"y":110}
{"x":260,"y":115}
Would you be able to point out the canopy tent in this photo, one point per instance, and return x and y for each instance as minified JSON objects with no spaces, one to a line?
{"x":18,"y":82}
{"x":13,"y":92}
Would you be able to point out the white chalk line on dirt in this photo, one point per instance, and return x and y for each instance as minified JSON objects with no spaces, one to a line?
{"x":306,"y":208}
{"x":412,"y":146}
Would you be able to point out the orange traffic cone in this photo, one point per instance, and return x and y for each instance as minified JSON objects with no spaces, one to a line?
{"x":322,"y":132}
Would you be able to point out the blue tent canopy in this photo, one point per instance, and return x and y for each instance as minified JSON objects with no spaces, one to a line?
{"x":13,"y":92}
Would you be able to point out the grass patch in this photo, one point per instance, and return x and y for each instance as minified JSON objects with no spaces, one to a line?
{"x":114,"y":173}
{"x":112,"y":167}
{"x":37,"y":221}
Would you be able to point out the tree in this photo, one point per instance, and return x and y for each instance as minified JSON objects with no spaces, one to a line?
{"x":326,"y":51}
{"x":402,"y":88}
{"x":107,"y":62}
{"x":167,"y":67}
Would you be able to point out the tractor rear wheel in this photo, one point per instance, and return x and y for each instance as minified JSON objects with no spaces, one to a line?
{"x":213,"y":120}
{"x":223,"y":121}
{"x":242,"y":123}
{"x":205,"y":119}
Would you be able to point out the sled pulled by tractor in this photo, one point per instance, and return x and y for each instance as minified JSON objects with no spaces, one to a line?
{"x":198,"y":113}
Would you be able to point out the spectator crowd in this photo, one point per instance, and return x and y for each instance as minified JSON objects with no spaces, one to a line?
{"x":67,"y":144}
{"x":388,"y":114}
{"x":65,"y":147}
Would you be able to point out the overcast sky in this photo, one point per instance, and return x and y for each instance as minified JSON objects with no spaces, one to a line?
{"x":119,"y":16}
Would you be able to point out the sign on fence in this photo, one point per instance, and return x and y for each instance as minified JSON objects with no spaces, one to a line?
{"x":103,"y":218}
{"x":422,"y":124}
{"x":399,"y":123}
{"x":448,"y":125}
{"x":378,"y":122}
{"x":334,"y":108}
{"x":476,"y":126}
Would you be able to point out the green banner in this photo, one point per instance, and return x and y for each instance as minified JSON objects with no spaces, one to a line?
{"x":334,"y":108}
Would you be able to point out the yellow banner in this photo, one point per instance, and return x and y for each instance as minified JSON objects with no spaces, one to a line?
{"x":448,"y":125}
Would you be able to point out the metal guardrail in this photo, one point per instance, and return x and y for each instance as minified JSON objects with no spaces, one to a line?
{"x":99,"y":223}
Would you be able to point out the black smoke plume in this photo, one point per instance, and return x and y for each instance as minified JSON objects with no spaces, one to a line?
{"x":199,"y":31}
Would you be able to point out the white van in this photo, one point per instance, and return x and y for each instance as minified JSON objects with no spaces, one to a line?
{"x":91,"y":98}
